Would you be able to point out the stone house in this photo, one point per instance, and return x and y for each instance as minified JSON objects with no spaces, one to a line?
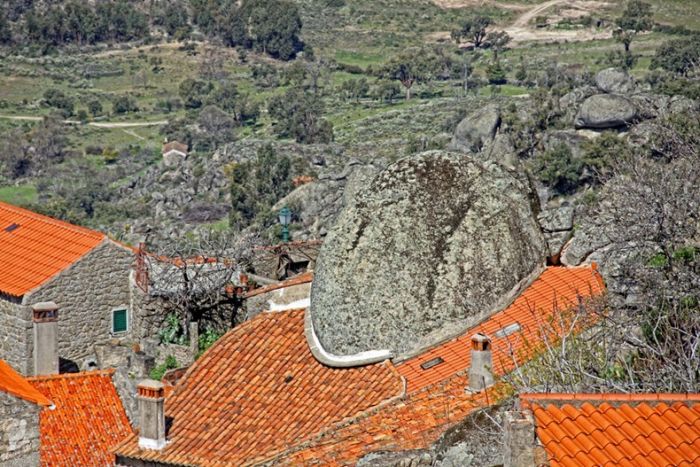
{"x":58,"y":419}
{"x":20,"y":404}
{"x":296,"y":404}
{"x":174,"y":153}
{"x":84,"y":272}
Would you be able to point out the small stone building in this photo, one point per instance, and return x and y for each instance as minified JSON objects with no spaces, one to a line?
{"x":82,"y":271}
{"x":20,"y":404}
{"x":174,"y":153}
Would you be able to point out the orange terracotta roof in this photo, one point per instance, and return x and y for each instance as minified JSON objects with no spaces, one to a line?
{"x":618,"y":429}
{"x":13,"y":383}
{"x":436,"y":398}
{"x":34,"y":248}
{"x":303,"y":278}
{"x":557,"y":288}
{"x":88,"y":419}
{"x":257,"y":391}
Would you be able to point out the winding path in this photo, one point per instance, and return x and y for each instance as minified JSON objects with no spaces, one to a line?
{"x":93,"y":124}
{"x":524,"y":20}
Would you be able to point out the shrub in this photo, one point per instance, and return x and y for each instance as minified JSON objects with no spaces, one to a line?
{"x":496,"y":74}
{"x":158,"y":372}
{"x":558,"y":168}
{"x":124,"y":104}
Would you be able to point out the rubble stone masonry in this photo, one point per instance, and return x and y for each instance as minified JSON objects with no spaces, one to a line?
{"x":86,"y":294}
{"x":16,"y":335}
{"x":19,"y":432}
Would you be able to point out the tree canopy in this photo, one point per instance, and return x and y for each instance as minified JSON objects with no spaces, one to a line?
{"x":636,"y":17}
{"x":472,"y":29}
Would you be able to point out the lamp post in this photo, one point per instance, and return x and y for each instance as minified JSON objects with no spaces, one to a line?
{"x":285,"y":217}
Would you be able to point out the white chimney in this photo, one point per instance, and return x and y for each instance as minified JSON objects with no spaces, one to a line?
{"x":480,"y":375}
{"x":45,"y":331}
{"x":151,"y":401}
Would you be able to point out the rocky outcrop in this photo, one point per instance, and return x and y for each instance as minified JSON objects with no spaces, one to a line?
{"x":558,"y":226}
{"x":604,"y":111}
{"x":614,"y":81}
{"x":476,"y":130}
{"x":431,"y":245}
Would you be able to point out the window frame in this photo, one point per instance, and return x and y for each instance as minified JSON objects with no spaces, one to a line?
{"x":125,"y":309}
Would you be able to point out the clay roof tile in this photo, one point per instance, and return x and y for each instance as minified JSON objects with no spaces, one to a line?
{"x":638,"y":429}
{"x":34,"y":248}
{"x":86,"y":421}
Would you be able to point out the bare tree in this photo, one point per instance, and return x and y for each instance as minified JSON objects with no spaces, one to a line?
{"x":197,"y":278}
{"x":648,"y":215}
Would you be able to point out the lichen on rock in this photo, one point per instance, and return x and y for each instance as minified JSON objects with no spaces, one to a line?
{"x":432,"y":243}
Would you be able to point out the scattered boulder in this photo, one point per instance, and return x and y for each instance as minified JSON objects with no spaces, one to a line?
{"x":573,"y":99}
{"x":431,"y":245}
{"x":604,"y":111}
{"x":476,"y":130}
{"x":682,"y":105}
{"x":614,"y":81}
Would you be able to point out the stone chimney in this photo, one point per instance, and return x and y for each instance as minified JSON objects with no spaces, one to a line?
{"x":521,"y":449}
{"x":480,"y":375}
{"x":151,"y":400}
{"x":45,"y":324}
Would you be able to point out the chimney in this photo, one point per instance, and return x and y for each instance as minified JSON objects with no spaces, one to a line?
{"x":45,"y":324}
{"x":521,"y":449}
{"x":151,"y":400}
{"x":480,"y":376}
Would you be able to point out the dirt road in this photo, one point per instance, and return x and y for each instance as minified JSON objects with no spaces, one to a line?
{"x":524,"y":20}
{"x":93,"y":124}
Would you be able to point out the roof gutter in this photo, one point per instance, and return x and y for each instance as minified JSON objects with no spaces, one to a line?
{"x":339,"y":361}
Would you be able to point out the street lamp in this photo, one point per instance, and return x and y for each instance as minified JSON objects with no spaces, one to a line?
{"x":285,"y":217}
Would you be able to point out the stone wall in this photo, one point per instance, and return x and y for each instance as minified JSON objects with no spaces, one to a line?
{"x":16,"y":335}
{"x":148,"y":312}
{"x":19,"y":432}
{"x":86,"y":294}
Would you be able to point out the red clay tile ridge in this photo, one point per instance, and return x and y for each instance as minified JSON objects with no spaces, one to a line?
{"x":14,"y":384}
{"x":340,"y":361}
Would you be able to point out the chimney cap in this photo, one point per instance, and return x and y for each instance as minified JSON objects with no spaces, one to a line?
{"x":481,"y":341}
{"x":45,"y":312}
{"x":479,"y":337}
{"x":151,"y":389}
{"x":45,"y":306}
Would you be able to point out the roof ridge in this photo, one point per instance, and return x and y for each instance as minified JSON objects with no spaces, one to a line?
{"x":50,"y":220}
{"x":554,"y":397}
{"x":83,"y":374}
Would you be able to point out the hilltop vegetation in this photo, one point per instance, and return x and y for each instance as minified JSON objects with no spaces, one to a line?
{"x":383,"y":79}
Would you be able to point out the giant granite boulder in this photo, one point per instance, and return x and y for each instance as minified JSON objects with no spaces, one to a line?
{"x":604,"y":111}
{"x":477,"y":129}
{"x":431,"y":245}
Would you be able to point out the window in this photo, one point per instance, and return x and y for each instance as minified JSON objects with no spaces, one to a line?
{"x":120,"y":320}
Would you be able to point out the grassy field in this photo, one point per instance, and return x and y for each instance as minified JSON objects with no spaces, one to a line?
{"x":361,"y":33}
{"x":18,"y":195}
